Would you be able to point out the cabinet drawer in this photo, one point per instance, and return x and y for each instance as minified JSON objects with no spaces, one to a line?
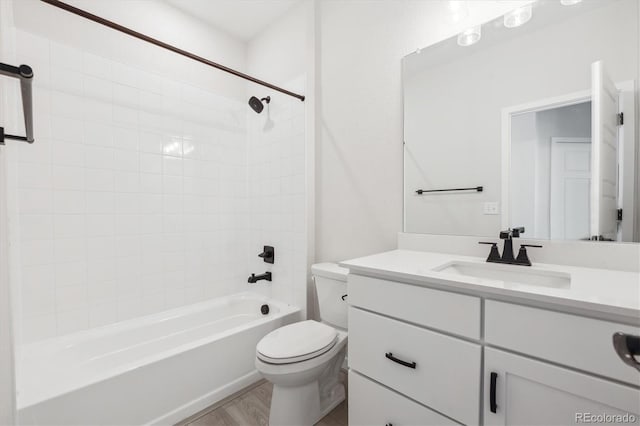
{"x":450,"y":312}
{"x":446,"y":373}
{"x":578,"y":342}
{"x":372,"y":404}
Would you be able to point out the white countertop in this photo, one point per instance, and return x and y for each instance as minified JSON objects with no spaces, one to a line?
{"x":601,"y":291}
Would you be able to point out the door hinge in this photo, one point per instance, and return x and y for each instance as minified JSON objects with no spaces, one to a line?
{"x":620,"y":119}
{"x":619,"y":214}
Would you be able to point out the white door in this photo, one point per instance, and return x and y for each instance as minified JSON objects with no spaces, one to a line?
{"x":569,"y":209}
{"x":529,"y":392}
{"x":604,"y":156}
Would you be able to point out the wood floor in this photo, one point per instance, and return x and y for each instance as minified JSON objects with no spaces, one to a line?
{"x":251,"y":408}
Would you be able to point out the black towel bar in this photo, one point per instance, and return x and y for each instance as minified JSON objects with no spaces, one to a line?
{"x":24,"y":73}
{"x":424,"y":191}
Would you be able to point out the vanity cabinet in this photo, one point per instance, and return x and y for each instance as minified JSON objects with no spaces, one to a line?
{"x":424,"y":355}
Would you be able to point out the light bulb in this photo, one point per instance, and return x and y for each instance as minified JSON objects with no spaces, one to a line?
{"x":470,"y":36}
{"x":569,"y":2}
{"x":517,"y":17}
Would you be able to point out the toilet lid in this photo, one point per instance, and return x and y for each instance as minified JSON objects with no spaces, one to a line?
{"x":296,"y":342}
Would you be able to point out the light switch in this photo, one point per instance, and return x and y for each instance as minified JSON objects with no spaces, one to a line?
{"x":491,"y":207}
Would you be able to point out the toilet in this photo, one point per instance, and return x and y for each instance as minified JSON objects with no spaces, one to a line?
{"x":303,"y":359}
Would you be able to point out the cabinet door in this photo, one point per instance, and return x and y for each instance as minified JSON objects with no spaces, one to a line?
{"x":521,"y":391}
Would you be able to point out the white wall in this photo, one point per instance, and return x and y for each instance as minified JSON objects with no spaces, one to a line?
{"x":7,"y":375}
{"x":359,"y":150}
{"x":569,"y":121}
{"x":133,"y":199}
{"x":524,"y":148}
{"x":154,"y":18}
{"x":279,"y":142}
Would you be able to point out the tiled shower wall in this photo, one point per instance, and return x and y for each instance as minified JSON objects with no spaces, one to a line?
{"x":133,"y":199}
{"x":276,"y":160}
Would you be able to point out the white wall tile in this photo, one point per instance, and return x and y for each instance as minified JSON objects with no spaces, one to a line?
{"x":71,"y":321}
{"x":99,"y":180}
{"x":106,"y":230}
{"x":70,"y":273}
{"x":36,"y":227}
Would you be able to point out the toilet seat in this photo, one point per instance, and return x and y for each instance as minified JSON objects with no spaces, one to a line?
{"x":296,"y":342}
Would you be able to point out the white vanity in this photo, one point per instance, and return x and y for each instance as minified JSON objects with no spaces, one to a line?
{"x":438,"y":339}
{"x":520,"y":134}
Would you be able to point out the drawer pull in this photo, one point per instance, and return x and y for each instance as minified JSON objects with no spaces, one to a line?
{"x":627,"y":346}
{"x":492,"y":393}
{"x":390,"y":356}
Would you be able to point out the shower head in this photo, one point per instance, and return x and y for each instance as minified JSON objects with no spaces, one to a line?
{"x":257,"y":105}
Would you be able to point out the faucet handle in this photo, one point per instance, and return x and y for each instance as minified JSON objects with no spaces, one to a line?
{"x":515,"y":232}
{"x":494,"y":254}
{"x":523,"y":257}
{"x":511,"y":233}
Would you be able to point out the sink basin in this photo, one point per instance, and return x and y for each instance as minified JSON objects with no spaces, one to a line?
{"x":510,"y":275}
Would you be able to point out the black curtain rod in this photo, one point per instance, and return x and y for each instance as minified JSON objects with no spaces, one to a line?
{"x":132,"y":33}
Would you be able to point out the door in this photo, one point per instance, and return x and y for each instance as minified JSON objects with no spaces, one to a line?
{"x":521,"y":391}
{"x":604,"y":155}
{"x":570,"y":195}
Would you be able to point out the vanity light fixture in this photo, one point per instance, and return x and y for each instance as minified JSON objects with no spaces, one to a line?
{"x":517,"y":17}
{"x":470,"y":36}
{"x":569,"y":2}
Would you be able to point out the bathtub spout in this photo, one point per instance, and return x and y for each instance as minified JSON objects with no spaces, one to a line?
{"x":255,"y":278}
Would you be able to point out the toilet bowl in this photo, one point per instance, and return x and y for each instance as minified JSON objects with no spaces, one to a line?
{"x":303,"y":360}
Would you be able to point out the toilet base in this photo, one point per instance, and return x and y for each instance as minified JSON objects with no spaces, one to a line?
{"x":301,"y":405}
{"x":305,"y":396}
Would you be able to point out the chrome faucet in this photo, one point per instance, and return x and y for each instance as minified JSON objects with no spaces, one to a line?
{"x":507,"y":251}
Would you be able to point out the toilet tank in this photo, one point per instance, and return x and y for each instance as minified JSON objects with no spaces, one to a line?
{"x":331,"y":285}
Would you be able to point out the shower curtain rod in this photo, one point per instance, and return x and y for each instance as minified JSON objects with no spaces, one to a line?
{"x":143,"y":37}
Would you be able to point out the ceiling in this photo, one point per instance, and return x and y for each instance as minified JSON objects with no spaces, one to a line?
{"x":243,"y":19}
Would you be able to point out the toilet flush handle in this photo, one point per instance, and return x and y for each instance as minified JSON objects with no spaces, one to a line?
{"x":344,"y":296}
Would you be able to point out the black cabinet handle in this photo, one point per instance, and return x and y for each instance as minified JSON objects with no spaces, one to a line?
{"x":390,"y":356}
{"x":627,"y":347}
{"x":492,"y":393}
{"x":389,"y":424}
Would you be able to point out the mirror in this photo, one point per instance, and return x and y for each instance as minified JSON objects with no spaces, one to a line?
{"x":530,"y":125}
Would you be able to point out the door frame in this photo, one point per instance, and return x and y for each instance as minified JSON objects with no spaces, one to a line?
{"x":554,"y":141}
{"x":506,"y":114}
{"x":630,"y":154}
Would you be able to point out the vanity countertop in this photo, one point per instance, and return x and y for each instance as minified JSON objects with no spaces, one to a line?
{"x":609,"y":293}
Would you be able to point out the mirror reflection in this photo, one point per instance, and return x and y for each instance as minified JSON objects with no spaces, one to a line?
{"x":527,"y":120}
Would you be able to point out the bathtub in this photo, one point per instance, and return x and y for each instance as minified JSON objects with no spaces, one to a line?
{"x":157,"y":369}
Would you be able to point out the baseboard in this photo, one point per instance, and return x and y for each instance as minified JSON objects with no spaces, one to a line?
{"x":209,"y":401}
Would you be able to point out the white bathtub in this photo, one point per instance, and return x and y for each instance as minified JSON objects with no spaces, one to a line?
{"x":157,"y":369}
